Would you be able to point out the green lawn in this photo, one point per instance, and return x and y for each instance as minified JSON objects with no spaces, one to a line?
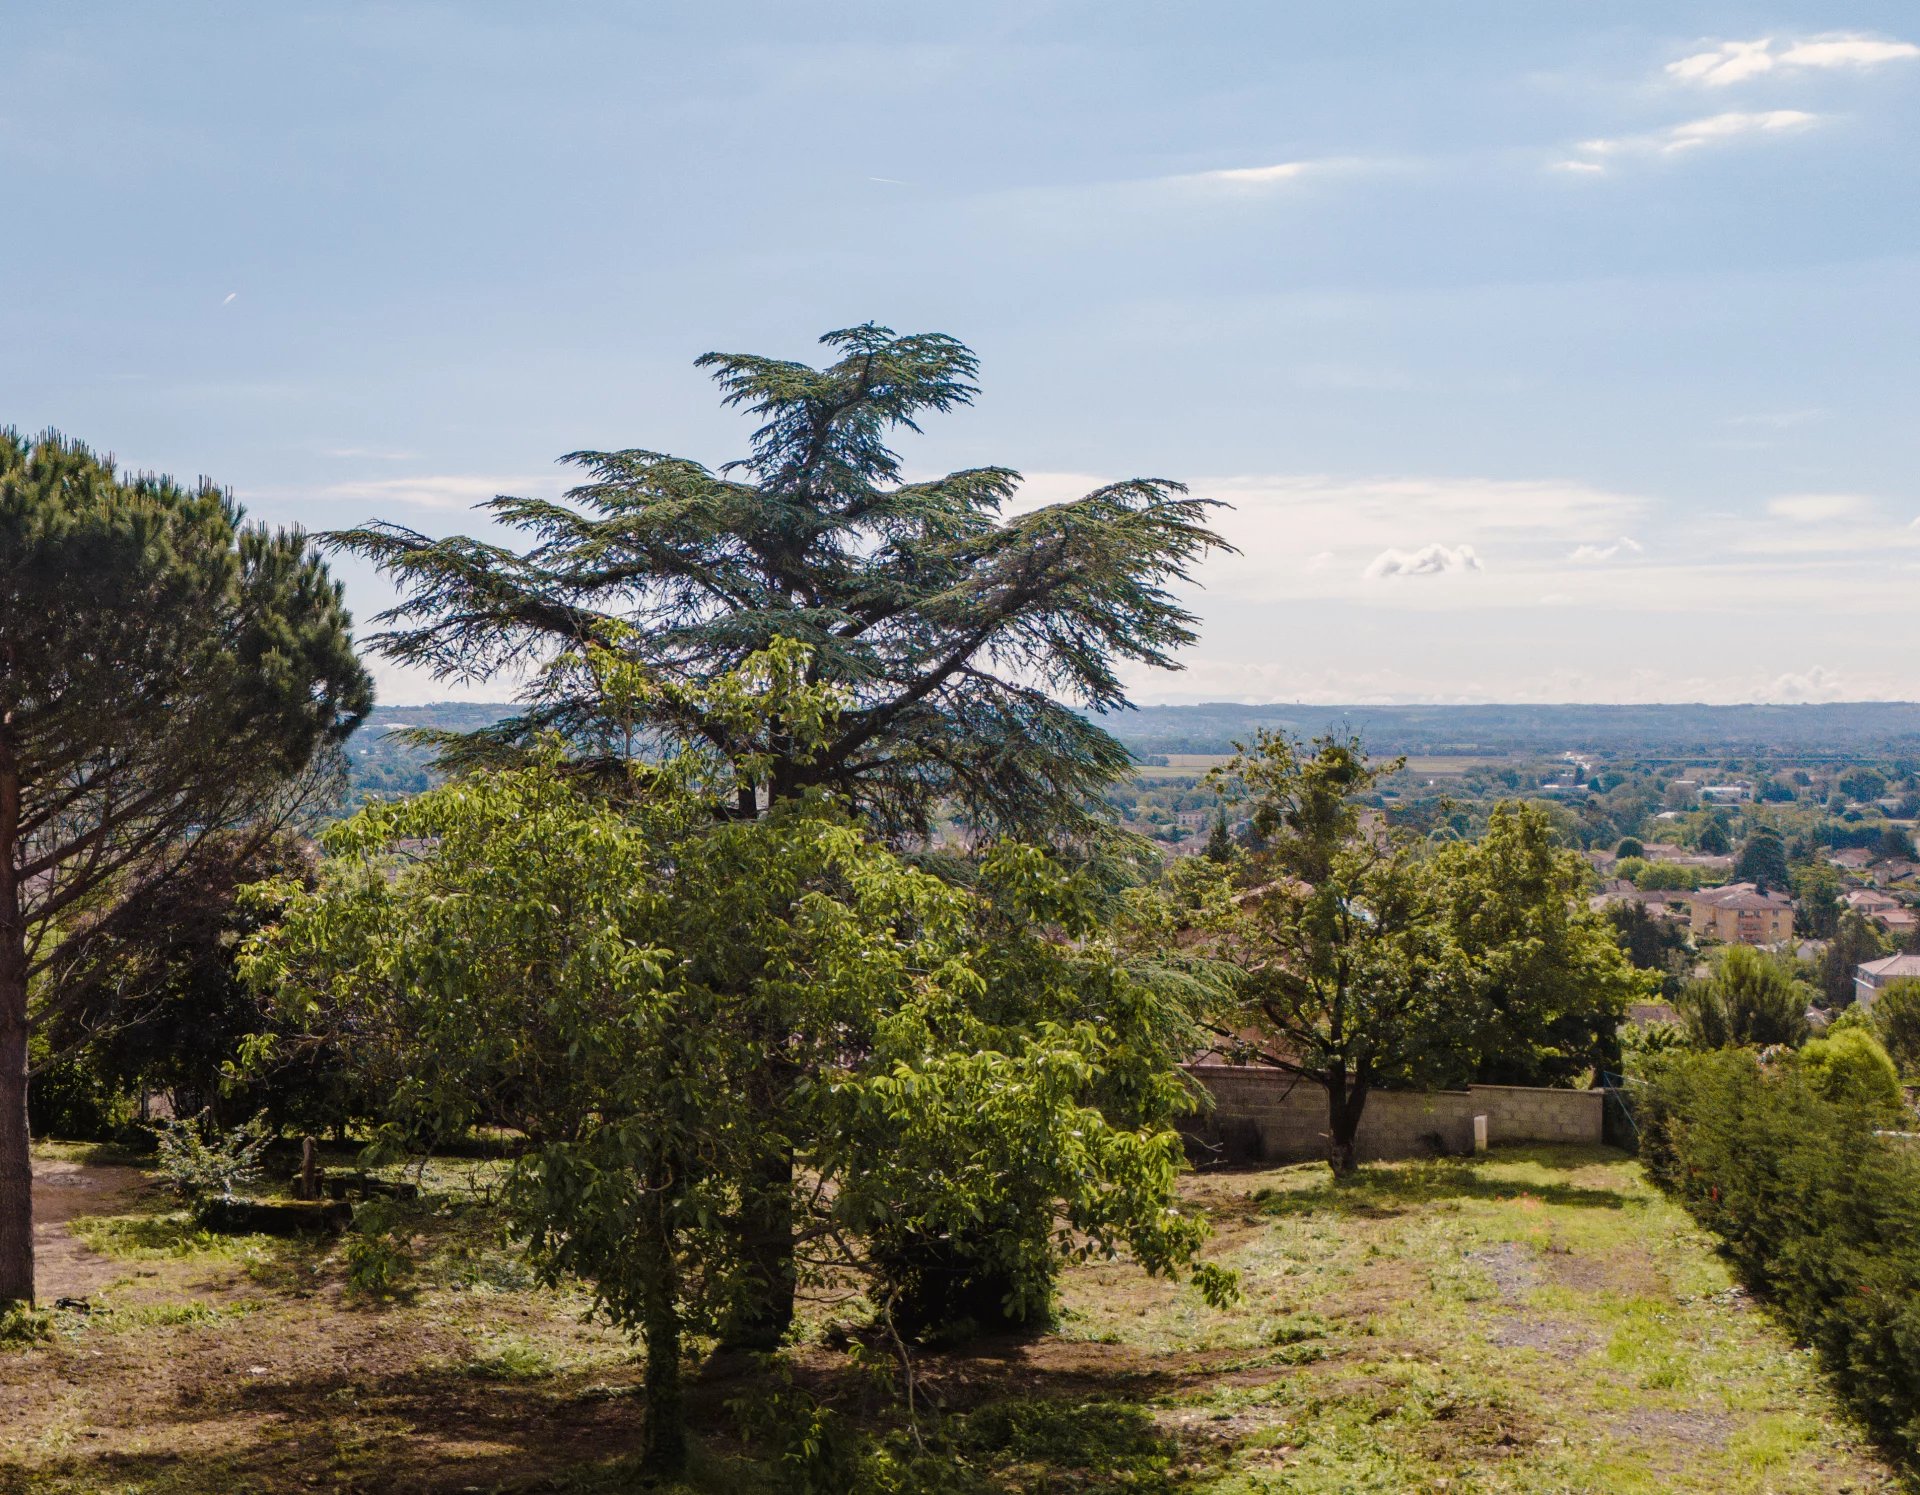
{"x":1536,"y":1321}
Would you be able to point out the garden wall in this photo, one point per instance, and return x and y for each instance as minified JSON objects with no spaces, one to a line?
{"x":1262,"y":1115}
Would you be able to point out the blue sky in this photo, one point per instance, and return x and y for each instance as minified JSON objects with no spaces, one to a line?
{"x":1547,"y":351}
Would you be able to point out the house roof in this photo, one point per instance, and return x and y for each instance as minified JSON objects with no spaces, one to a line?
{"x":1742,"y":895}
{"x":1891,"y":967}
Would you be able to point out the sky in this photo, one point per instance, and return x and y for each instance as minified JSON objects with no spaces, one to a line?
{"x":1545,"y":351}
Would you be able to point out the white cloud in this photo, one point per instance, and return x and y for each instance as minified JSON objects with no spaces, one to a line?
{"x":1715,"y":129}
{"x":1599,"y":553}
{"x":1846,"y":51}
{"x":1428,"y":560}
{"x":1816,"y":508}
{"x":1735,"y":62}
{"x":436,"y":491}
{"x":1249,"y":176}
{"x":1324,"y":559}
{"x":1578,"y":166}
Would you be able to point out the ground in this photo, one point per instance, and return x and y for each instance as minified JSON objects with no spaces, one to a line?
{"x":1535,"y":1321}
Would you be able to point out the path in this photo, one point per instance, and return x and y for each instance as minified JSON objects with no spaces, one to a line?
{"x":63,"y":1266}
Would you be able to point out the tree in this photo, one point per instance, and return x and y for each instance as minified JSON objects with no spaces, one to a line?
{"x":1896,"y":1021}
{"x":154,"y":1000}
{"x":1661,"y":946}
{"x":1762,"y":860}
{"x":1550,"y":982}
{"x":1336,"y":930}
{"x":1817,"y":906}
{"x":165,"y":670}
{"x":1219,"y":841}
{"x":1856,"y":940}
{"x":960,"y":639}
{"x":596,"y":971}
{"x":1862,"y":783}
{"x":1851,"y":1068}
{"x":1713,"y":839}
{"x":1630,"y":846}
{"x":1750,"y":1000}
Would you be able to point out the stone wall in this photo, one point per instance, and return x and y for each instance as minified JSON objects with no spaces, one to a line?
{"x":1262,"y":1115}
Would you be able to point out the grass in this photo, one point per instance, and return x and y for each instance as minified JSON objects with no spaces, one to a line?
{"x":1534,"y":1321}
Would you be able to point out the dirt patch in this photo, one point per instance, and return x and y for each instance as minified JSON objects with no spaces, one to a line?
{"x":1514,"y":1269}
{"x":1629,"y":1274}
{"x":1479,"y":1431}
{"x":64,"y":1267}
{"x":1556,"y":1336}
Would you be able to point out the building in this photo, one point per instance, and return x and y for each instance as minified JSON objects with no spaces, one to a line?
{"x":1865,"y":901}
{"x":1870,"y":979}
{"x":1741,"y":914}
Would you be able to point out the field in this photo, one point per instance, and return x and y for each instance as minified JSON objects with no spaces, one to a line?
{"x":1535,"y":1321}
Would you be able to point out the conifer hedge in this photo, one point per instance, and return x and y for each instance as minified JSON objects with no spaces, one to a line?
{"x":1818,"y":1207}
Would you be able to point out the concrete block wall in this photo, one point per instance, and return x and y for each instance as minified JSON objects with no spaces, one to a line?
{"x":1262,"y":1115}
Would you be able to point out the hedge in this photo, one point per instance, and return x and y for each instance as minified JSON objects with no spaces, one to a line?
{"x":1819,"y":1212}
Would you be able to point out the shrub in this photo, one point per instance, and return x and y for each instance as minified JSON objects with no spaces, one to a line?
{"x":1896,"y":1021}
{"x":1850,"y":1067}
{"x":1816,"y":1211}
{"x":201,"y":1163}
{"x":1749,"y":999}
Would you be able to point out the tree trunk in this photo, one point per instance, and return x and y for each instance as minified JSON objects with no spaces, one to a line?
{"x":664,"y":1451}
{"x":16,"y":1164}
{"x":1344,"y":1108}
{"x":766,"y":1249}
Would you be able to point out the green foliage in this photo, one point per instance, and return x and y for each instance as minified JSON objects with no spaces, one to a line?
{"x":1896,"y":1021}
{"x":617,"y":975}
{"x":1763,"y":860}
{"x":1548,"y":978}
{"x":22,"y":1325}
{"x":1336,"y":931}
{"x":201,"y":1163}
{"x":1856,"y":940}
{"x":1817,"y":906}
{"x":960,"y":639}
{"x":1750,"y":999}
{"x":1661,"y":946}
{"x":1659,"y":877}
{"x":379,"y":1263}
{"x":74,"y":1096}
{"x":1817,"y":1213}
{"x":153,"y":1001}
{"x":168,"y":673}
{"x":1713,"y":839}
{"x":1630,"y":846}
{"x":1850,"y":1067}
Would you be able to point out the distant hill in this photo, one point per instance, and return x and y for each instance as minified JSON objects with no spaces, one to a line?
{"x":383,"y":764}
{"x":1847,"y":729}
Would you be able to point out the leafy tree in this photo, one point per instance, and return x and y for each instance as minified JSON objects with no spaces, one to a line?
{"x":1337,"y":930}
{"x":1817,"y":906}
{"x":961,"y":641}
{"x":1762,"y":860}
{"x":1856,"y":940}
{"x":1713,"y":839}
{"x":1661,"y":946}
{"x":1219,"y":842}
{"x":164,"y":672}
{"x":154,"y":997}
{"x":1851,"y":1068}
{"x":1550,"y":981}
{"x":1895,"y":841}
{"x":959,"y":638}
{"x":1896,"y":1021}
{"x":598,"y":971}
{"x":1630,"y":846}
{"x":1862,"y":783}
{"x":1750,"y":1000}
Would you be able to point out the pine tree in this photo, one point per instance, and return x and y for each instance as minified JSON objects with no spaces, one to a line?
{"x":165,"y":671}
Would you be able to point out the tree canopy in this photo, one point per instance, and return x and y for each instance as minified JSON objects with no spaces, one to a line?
{"x":165,"y":670}
{"x":606,"y":974}
{"x":961,"y":638}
